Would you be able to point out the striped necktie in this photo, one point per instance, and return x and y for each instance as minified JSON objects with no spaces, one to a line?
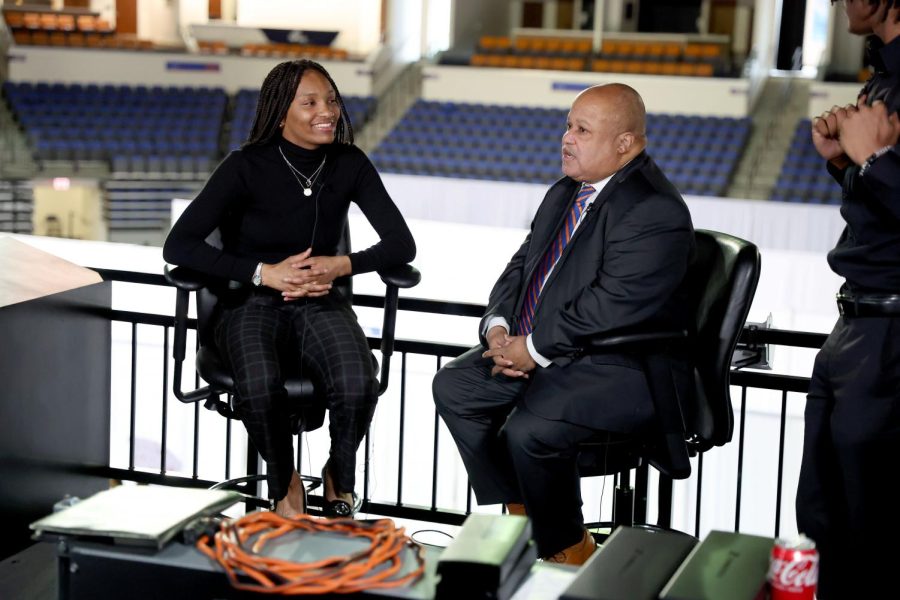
{"x":553,"y":253}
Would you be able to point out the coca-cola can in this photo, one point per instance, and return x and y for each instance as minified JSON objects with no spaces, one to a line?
{"x":793,"y":569}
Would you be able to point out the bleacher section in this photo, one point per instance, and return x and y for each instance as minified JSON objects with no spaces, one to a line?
{"x":508,"y":143}
{"x":803,"y":175}
{"x":16,"y":200}
{"x":615,"y":56}
{"x":144,"y":204}
{"x":150,"y":133}
{"x":67,"y":28}
{"x":157,"y":129}
{"x":160,"y":142}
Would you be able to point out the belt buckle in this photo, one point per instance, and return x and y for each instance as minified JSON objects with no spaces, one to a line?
{"x":840,"y":302}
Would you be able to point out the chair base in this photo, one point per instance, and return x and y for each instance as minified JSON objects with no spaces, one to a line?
{"x":240,"y":484}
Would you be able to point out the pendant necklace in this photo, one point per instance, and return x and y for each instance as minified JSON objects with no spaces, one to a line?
{"x":307,"y":189}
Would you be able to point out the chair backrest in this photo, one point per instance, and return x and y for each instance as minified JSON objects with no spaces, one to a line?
{"x":208,"y":297}
{"x":722,"y":280}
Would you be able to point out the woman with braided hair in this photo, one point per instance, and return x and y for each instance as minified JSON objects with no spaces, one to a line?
{"x":280,"y":203}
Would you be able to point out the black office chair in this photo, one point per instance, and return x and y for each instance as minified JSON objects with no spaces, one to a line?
{"x":306,"y":402}
{"x":722,"y":281}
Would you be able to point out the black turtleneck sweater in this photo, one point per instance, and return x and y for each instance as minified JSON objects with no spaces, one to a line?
{"x":258,"y":206}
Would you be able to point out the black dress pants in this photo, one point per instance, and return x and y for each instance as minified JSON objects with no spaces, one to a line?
{"x":847,"y":496}
{"x":512,"y":454}
{"x":258,"y":336}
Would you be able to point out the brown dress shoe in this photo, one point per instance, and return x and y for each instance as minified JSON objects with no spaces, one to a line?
{"x":576,"y":554}
{"x":514,"y":508}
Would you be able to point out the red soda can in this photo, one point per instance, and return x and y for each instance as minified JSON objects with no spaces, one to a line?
{"x":793,"y":569}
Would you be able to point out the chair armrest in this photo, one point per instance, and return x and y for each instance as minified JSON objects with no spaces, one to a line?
{"x":185,"y":279}
{"x":604,"y":344}
{"x":402,"y":276}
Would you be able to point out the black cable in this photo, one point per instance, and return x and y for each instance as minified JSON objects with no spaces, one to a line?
{"x":415,"y":533}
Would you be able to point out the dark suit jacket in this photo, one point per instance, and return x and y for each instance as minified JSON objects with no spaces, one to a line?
{"x":622,"y":271}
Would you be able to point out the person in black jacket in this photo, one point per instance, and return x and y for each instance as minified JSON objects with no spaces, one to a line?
{"x":607,"y":252}
{"x":280,"y":204}
{"x":846,"y":496}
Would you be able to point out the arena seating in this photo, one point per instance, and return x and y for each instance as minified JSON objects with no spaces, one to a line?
{"x":146,"y":133}
{"x":15,"y":206}
{"x":167,"y":127}
{"x":52,"y":28}
{"x":508,"y":143}
{"x":174,"y":134}
{"x":803,"y":175}
{"x":615,"y":56}
{"x":144,"y":204}
{"x":292,"y":51}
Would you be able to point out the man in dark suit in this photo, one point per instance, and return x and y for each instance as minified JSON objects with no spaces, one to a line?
{"x":607,"y":253}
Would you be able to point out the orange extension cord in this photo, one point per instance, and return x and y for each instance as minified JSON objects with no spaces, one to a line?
{"x":336,"y":574}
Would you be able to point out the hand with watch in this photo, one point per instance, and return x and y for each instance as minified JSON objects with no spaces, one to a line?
{"x":284,"y":278}
{"x":869,"y":133}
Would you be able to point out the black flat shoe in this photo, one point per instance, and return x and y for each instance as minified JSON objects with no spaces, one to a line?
{"x":338,"y":509}
{"x":341,"y":509}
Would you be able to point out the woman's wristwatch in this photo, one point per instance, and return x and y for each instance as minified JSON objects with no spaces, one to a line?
{"x":257,"y":275}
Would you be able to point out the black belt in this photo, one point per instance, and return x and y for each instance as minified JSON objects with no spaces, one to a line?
{"x":869,"y":305}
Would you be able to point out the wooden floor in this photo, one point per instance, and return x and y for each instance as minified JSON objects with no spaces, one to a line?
{"x":30,"y":574}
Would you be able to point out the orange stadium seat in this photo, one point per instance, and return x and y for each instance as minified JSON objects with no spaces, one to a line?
{"x":22,"y":36}
{"x":526,"y":62}
{"x":651,"y":67}
{"x":86,"y":23}
{"x":494,"y":43}
{"x":40,"y":38}
{"x":711,"y":51}
{"x":600,"y":65}
{"x":669,"y":68}
{"x":554,"y":45}
{"x":568,"y":46}
{"x":32,"y":20}
{"x":57,"y":38}
{"x":671,"y":50}
{"x":559,"y":63}
{"x":703,"y":69}
{"x":640,"y":49}
{"x":583,"y":46}
{"x":625,"y":49}
{"x":76,"y":39}
{"x":92,"y":40}
{"x":49,"y":21}
{"x":14,"y":19}
{"x":65,"y":22}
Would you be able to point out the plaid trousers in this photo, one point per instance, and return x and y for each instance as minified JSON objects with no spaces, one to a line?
{"x":258,"y":337}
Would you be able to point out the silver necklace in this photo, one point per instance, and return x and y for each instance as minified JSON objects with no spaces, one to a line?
{"x":307,"y":189}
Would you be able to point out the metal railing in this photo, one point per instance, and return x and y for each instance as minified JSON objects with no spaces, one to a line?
{"x":433,"y":511}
